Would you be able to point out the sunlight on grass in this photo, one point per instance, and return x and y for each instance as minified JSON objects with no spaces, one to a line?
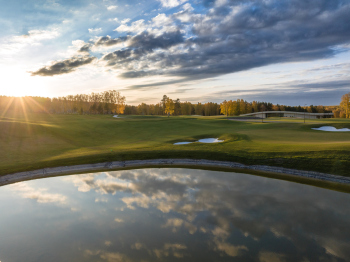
{"x":74,"y":139}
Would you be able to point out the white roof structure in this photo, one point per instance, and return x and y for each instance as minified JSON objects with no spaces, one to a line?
{"x":290,"y":114}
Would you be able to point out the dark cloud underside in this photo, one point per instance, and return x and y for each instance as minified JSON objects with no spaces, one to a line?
{"x":108,"y":41}
{"x":63,"y":67}
{"x":85,"y":48}
{"x":141,"y":45}
{"x":239,"y":35}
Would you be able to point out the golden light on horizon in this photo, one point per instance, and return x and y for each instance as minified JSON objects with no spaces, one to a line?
{"x":22,"y":105}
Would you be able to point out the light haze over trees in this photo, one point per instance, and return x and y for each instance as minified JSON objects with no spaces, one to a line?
{"x":106,"y":102}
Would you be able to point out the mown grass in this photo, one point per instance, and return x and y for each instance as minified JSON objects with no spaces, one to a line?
{"x":41,"y":140}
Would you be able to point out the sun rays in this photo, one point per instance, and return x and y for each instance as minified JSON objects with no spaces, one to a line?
{"x":9,"y":103}
{"x":19,"y":109}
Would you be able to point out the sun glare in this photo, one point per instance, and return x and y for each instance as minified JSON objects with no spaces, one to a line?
{"x":17,"y":82}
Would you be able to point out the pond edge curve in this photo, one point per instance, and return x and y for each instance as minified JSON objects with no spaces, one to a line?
{"x":117,"y":165}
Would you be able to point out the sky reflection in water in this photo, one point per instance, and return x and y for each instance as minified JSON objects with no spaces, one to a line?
{"x":172,"y":215}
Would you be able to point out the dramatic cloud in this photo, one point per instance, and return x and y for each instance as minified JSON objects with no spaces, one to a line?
{"x":140,"y":45}
{"x":230,"y":37}
{"x":108,"y":41}
{"x":63,"y":67}
{"x":182,"y":41}
{"x":135,"y":27}
{"x":84,"y":48}
{"x":150,"y":42}
{"x":236,"y":215}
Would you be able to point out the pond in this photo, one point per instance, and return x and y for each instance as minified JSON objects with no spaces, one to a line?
{"x":172,"y":214}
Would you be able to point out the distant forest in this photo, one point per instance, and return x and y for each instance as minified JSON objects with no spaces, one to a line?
{"x":168,"y":106}
{"x":107,"y":102}
{"x":112,"y":102}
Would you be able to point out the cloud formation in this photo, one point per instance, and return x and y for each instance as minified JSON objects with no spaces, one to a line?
{"x":200,"y":40}
{"x":63,"y":67}
{"x":234,"y":214}
{"x":231,"y":36}
{"x":40,"y":195}
{"x":94,"y":30}
{"x":108,"y":41}
{"x":172,"y":3}
{"x":139,"y":46}
{"x":84,"y":48}
{"x":112,"y":7}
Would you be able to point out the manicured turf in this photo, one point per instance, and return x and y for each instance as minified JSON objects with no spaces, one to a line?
{"x":41,"y":140}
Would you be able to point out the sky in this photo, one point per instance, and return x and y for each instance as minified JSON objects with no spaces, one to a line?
{"x":291,"y":52}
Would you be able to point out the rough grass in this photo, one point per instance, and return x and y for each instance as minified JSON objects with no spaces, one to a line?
{"x":41,"y":140}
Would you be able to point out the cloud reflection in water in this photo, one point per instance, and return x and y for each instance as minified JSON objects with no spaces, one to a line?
{"x":166,"y":214}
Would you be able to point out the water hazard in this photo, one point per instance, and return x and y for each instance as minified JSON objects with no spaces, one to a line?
{"x":172,"y":214}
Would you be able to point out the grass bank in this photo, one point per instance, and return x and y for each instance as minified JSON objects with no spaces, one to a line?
{"x":34,"y":141}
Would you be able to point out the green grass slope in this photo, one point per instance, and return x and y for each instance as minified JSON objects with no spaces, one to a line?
{"x":35,"y":141}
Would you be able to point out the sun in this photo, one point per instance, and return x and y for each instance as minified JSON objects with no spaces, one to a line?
{"x":17,"y":82}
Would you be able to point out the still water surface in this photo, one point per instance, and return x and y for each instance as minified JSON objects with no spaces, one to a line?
{"x":172,"y":214}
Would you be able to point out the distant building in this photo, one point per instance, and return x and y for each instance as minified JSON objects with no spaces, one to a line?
{"x":306,"y":115}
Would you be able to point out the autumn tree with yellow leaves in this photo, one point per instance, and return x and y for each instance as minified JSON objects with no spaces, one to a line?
{"x":345,"y":104}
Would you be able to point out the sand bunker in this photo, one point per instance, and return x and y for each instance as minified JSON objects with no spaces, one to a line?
{"x":331,"y":129}
{"x":116,"y":116}
{"x":204,"y":140}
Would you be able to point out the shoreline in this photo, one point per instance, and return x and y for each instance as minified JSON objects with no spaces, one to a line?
{"x":119,"y":165}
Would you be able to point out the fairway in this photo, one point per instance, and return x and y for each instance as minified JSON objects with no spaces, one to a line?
{"x":34,"y":141}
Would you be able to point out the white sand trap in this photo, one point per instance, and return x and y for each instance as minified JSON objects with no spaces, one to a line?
{"x":116,"y":116}
{"x":182,"y":143}
{"x":210,"y":140}
{"x":204,"y":140}
{"x":331,"y":129}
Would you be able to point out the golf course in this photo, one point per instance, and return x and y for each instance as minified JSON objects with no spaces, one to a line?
{"x":34,"y":141}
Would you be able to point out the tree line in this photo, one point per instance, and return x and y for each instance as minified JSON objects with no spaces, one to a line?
{"x":112,"y":102}
{"x":240,"y":106}
{"x":168,"y":106}
{"x":106,"y":102}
